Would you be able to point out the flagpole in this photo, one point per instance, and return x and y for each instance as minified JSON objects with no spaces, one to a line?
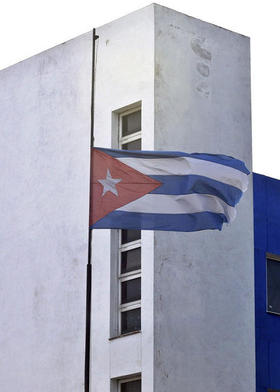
{"x":89,"y":268}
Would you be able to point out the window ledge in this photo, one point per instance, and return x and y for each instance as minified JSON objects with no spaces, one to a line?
{"x":124,"y":334}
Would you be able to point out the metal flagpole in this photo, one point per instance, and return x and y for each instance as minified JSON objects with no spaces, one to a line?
{"x":89,"y":269}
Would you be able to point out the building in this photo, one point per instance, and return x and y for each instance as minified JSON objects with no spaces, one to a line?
{"x":163,"y":81}
{"x":267,"y":278}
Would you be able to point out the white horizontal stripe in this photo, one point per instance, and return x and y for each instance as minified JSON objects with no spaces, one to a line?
{"x":179,"y":204}
{"x":185,"y":165}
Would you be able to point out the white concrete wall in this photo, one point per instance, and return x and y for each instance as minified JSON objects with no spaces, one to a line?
{"x":44,"y":160}
{"x":204,"y":288}
{"x":124,"y":76}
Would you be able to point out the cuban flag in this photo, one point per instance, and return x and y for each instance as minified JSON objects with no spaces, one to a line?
{"x":164,"y":190}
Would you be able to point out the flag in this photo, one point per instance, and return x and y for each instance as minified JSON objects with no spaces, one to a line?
{"x":164,"y":190}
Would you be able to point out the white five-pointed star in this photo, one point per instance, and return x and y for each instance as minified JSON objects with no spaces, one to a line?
{"x":109,"y":184}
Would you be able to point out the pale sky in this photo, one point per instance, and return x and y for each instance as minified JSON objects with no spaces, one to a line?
{"x":28,"y":27}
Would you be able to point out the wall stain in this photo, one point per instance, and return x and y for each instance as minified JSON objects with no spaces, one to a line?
{"x":203,"y":69}
{"x":175,"y":27}
{"x":198,"y":46}
{"x":157,"y":70}
{"x":190,"y":265}
{"x":199,"y":50}
{"x":47,"y":64}
{"x":203,"y":89}
{"x":37,"y":302}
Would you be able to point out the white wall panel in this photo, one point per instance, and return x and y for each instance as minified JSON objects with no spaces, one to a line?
{"x":44,"y":160}
{"x":204,"y":281}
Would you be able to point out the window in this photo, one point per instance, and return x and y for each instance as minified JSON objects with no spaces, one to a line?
{"x":130,"y":385}
{"x":130,"y":240}
{"x":273,"y":390}
{"x":273,"y":283}
{"x":130,"y":280}
{"x":130,"y":130}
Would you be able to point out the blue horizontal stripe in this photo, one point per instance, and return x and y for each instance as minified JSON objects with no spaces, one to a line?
{"x":183,"y":185}
{"x":166,"y":222}
{"x":221,"y":159}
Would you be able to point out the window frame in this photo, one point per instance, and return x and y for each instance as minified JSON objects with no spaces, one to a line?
{"x":127,"y":276}
{"x":123,"y":247}
{"x":273,"y":257}
{"x":134,"y":136}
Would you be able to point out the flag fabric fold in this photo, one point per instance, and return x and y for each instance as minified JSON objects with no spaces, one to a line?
{"x":164,"y":190}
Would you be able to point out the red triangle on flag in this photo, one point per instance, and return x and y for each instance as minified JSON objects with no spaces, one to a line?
{"x":115,"y":184}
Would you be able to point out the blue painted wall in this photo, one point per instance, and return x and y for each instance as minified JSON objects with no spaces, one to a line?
{"x":267,"y":239}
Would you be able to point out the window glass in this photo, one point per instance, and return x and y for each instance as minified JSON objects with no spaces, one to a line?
{"x":130,"y":235}
{"x":131,"y":290}
{"x":131,"y":320}
{"x":273,"y":286}
{"x":134,"y":145}
{"x":131,"y":386}
{"x":131,"y":123}
{"x":130,"y":260}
